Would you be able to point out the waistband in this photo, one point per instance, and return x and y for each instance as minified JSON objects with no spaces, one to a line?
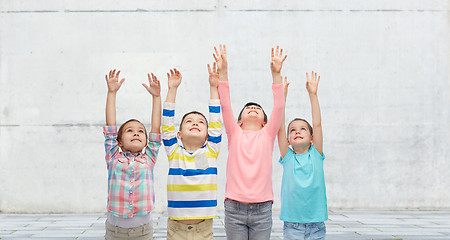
{"x":247,"y":206}
{"x":144,"y":229}
{"x":199,"y":227}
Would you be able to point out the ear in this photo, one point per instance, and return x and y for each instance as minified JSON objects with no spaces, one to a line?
{"x":179,"y":134}
{"x":312,"y":138}
{"x":239,"y":123}
{"x":264,"y":124}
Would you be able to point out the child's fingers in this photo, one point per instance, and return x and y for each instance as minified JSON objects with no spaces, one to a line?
{"x":171,"y":72}
{"x":214,"y":67}
{"x":146,"y":87}
{"x":225,"y":49}
{"x":307,"y":77}
{"x":217,"y":53}
{"x":284,"y":58}
{"x":281,"y":52}
{"x":318,"y":80}
{"x":209,"y":68}
{"x":121,"y":81}
{"x":215,"y":58}
{"x":272,"y":52}
{"x":117,"y":74}
{"x":276,"y":53}
{"x":106,"y":76}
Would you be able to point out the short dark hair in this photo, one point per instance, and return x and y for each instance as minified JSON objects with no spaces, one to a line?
{"x":252,"y":104}
{"x":300,"y":119}
{"x":193,"y":112}
{"x":120,"y":131}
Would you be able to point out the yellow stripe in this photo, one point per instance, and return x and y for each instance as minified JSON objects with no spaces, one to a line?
{"x":191,"y":188}
{"x":214,"y":124}
{"x":188,"y":218}
{"x":211,"y":153}
{"x":166,"y":128}
{"x":181,"y":157}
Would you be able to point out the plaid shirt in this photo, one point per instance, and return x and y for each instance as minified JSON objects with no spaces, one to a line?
{"x":130,"y":176}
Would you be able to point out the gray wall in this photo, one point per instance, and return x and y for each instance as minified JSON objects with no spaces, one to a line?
{"x":384,"y":90}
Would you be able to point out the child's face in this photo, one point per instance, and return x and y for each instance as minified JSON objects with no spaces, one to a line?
{"x":299,"y":133}
{"x":252,"y":113}
{"x":133,"y":137}
{"x":193,"y":128}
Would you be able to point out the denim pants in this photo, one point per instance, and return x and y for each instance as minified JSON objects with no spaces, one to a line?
{"x":249,"y":221}
{"x":310,"y":231}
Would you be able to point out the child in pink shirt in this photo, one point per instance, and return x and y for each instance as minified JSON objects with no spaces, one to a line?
{"x":248,"y":194}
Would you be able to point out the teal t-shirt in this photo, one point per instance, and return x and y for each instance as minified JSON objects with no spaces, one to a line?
{"x":303,"y":193}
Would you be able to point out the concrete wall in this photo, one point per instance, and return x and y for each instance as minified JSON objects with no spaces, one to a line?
{"x":384,"y":90}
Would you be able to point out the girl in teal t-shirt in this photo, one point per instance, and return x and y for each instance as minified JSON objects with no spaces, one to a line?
{"x":303,"y":193}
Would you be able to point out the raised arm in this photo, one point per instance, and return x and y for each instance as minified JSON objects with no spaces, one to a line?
{"x":278,"y":100}
{"x":214,"y":125}
{"x":224,"y":89}
{"x":276,"y":64}
{"x":213,"y":82}
{"x":173,"y":81}
{"x":312,"y":85}
{"x":283,"y":143}
{"x":112,"y":80}
{"x":221,"y":59}
{"x":154,"y":88}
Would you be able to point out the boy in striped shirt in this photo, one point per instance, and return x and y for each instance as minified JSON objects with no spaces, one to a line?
{"x":192,"y":178}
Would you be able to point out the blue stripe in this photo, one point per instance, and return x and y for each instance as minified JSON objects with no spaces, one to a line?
{"x":192,"y":204}
{"x":168,"y":113}
{"x":217,"y":139}
{"x":214,"y":109}
{"x":170,"y":142}
{"x":192,"y":172}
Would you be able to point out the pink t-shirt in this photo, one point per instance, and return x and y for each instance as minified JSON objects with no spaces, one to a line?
{"x":249,"y":166}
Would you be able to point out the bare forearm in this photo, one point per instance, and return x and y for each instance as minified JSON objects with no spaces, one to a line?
{"x":277,"y":78}
{"x":315,"y":110}
{"x":213,"y":93}
{"x":156,"y":115}
{"x":111,"y":109}
{"x":171,"y":95}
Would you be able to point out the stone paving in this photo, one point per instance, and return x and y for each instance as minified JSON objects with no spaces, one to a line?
{"x":345,"y":225}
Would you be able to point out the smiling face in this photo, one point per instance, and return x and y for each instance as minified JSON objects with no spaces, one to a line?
{"x":132,"y":137}
{"x":299,"y":133}
{"x":252,"y":113}
{"x":193,"y":129}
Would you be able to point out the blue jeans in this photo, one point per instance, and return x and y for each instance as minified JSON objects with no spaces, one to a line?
{"x":310,"y":231}
{"x":248,"y":221}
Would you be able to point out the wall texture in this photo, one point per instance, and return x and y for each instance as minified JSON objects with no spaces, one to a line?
{"x":384,"y":90}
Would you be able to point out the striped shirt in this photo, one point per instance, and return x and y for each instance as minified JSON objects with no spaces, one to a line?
{"x":192,"y":178}
{"x":130,"y":176}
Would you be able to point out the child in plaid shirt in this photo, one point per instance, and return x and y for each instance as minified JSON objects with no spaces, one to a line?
{"x":130,"y":170}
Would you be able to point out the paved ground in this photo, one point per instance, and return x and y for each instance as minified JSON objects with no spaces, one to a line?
{"x":346,"y":225}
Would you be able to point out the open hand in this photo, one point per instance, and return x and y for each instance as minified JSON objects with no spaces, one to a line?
{"x":112,"y":80}
{"x":312,"y":83}
{"x":213,"y":76}
{"x":174,"y":78}
{"x":221,"y":58}
{"x":277,"y":60}
{"x":154,"y":87}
